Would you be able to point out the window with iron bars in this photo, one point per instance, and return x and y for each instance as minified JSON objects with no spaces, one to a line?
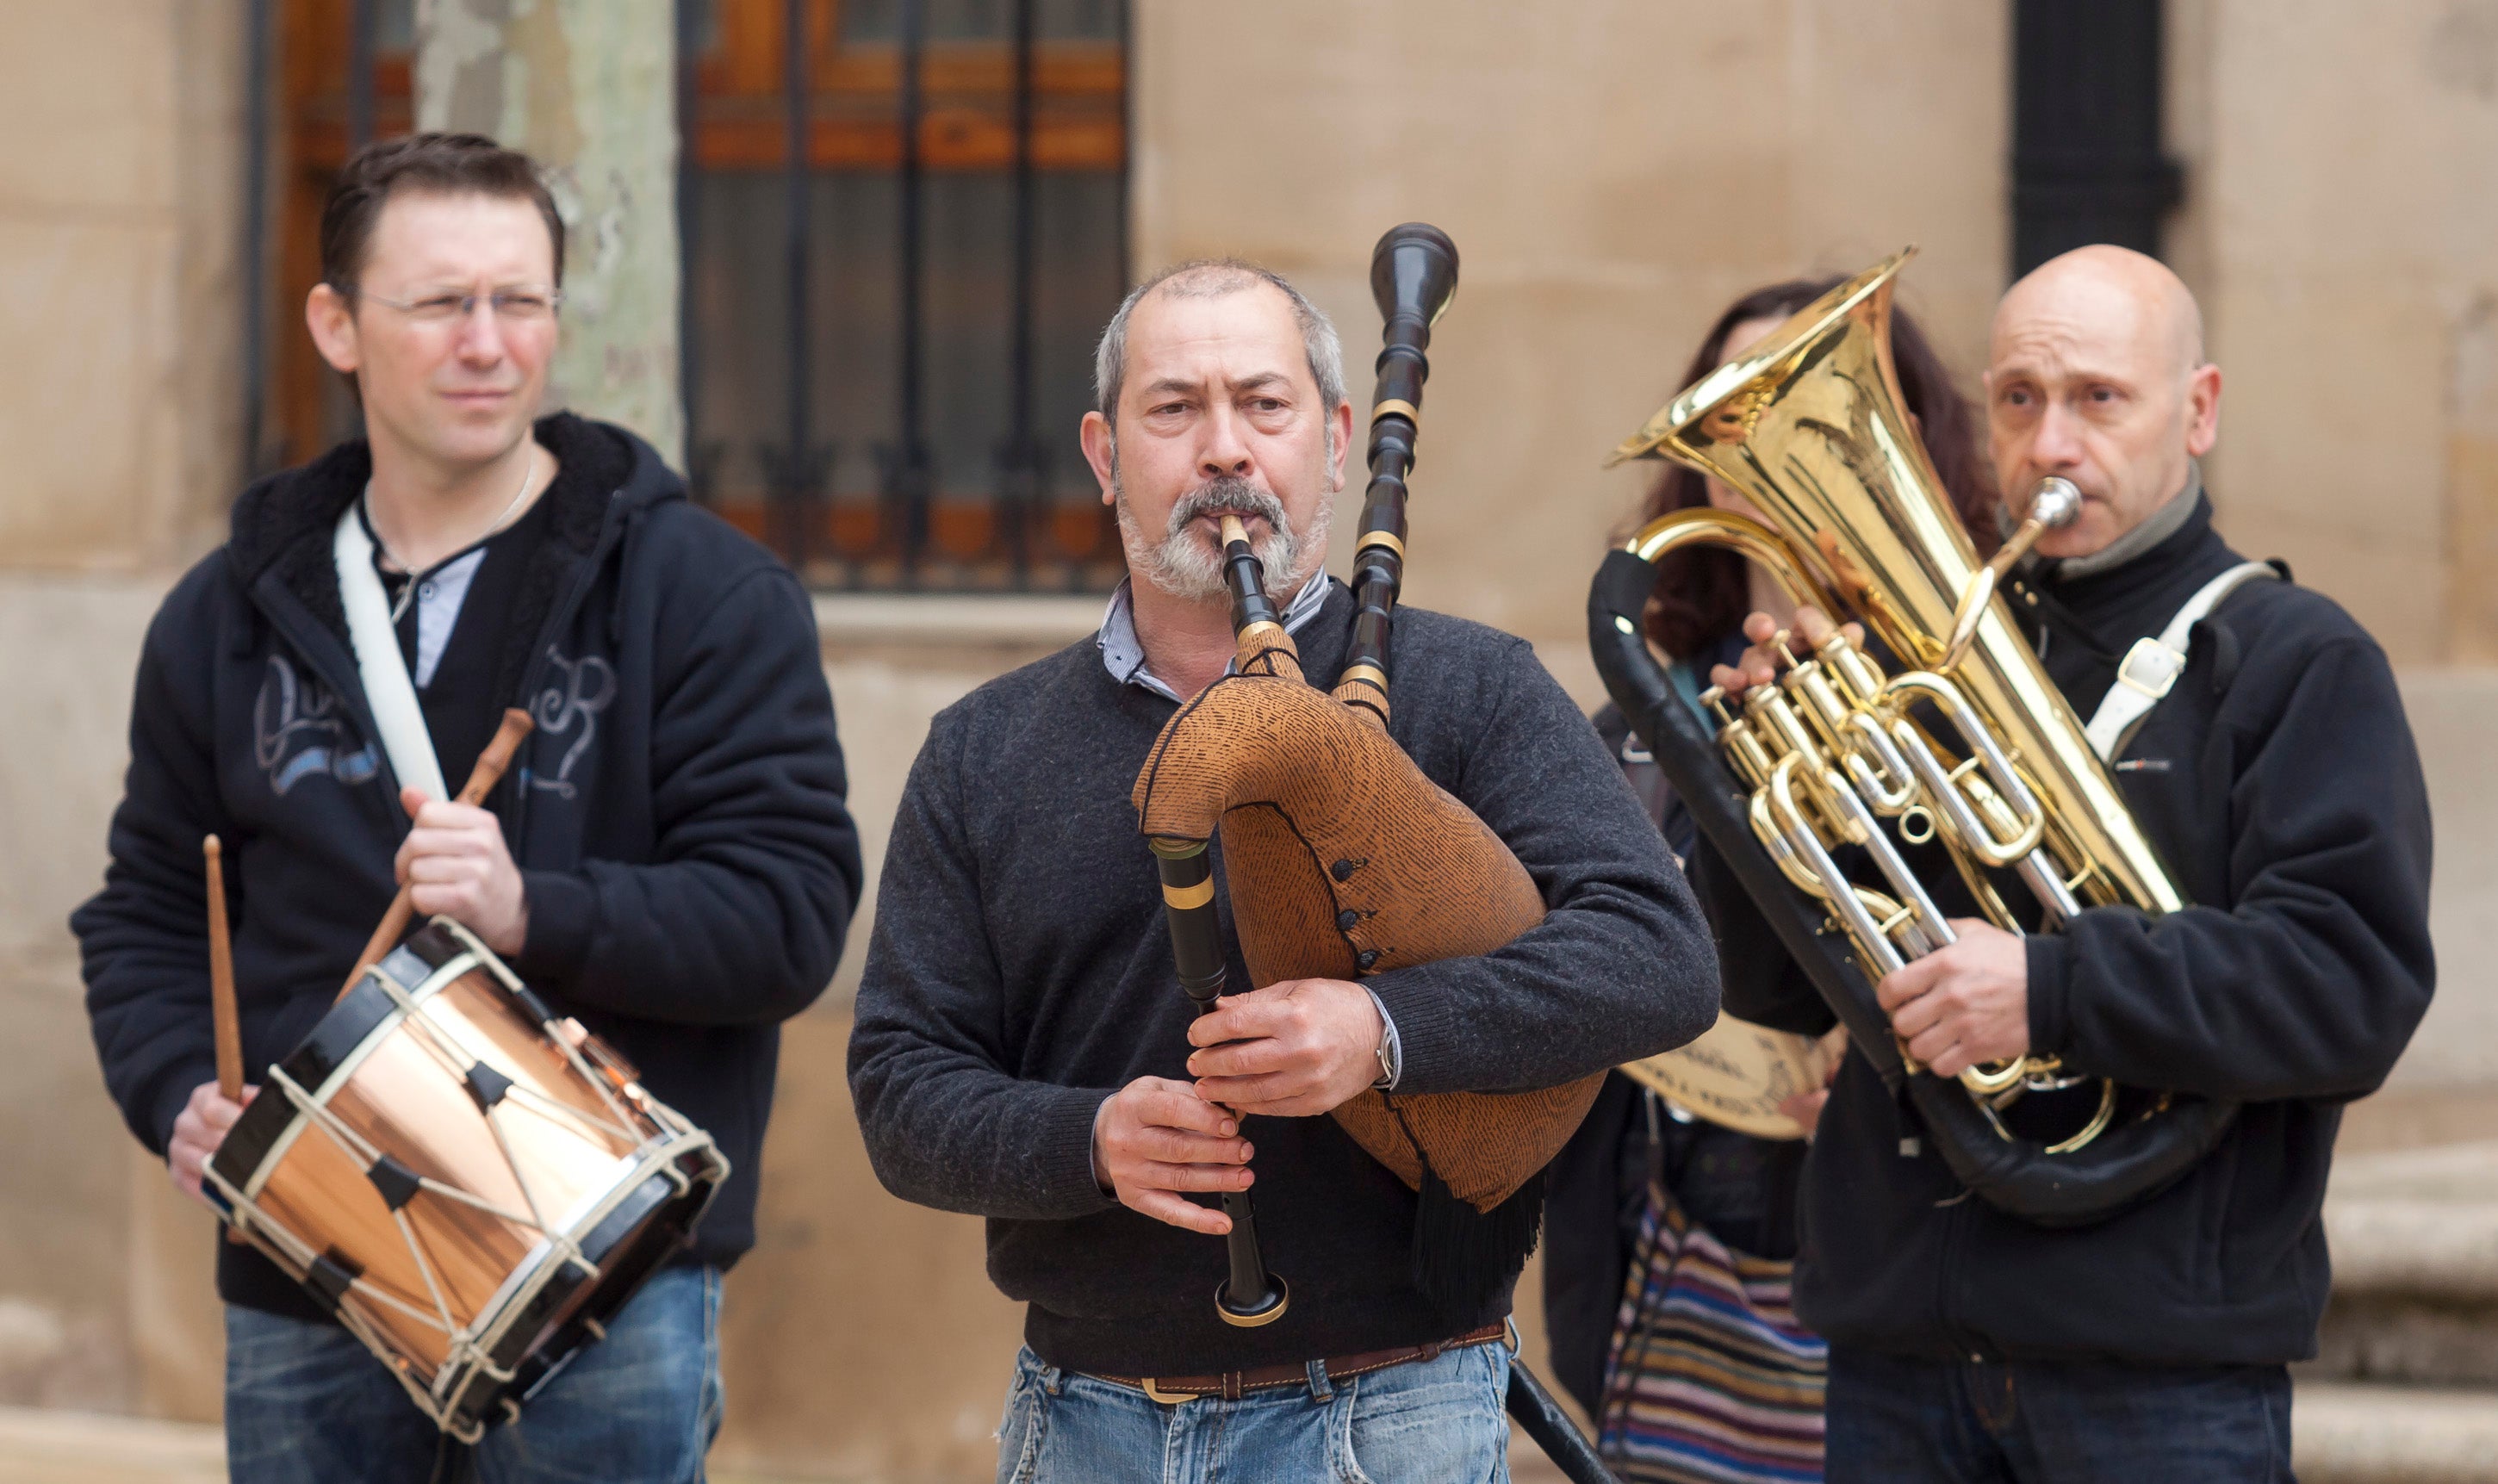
{"x":903,"y":223}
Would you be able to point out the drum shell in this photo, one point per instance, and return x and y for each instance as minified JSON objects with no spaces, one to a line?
{"x":556,"y":1134}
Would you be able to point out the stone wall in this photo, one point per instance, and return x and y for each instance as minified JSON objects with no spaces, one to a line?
{"x":2349,"y":274}
{"x":119,"y":296}
{"x":119,"y":305}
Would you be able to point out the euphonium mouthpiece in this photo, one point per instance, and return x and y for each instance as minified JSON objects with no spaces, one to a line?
{"x":2055,"y":503}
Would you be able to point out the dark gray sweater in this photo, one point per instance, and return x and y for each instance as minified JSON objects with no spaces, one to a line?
{"x":1019,"y":972}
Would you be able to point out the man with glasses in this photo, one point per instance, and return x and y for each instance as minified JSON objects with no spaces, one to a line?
{"x":669,"y":858}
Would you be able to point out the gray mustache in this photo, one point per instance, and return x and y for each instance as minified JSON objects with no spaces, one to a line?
{"x":1227,"y":494}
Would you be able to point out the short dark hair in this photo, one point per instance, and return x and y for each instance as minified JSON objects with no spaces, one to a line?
{"x":1701,"y":594}
{"x":450,"y":164}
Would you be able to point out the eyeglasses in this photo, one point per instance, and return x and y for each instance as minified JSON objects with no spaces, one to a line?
{"x":514,"y":306}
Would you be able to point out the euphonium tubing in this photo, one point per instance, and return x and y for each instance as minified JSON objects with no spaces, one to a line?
{"x":1808,"y":428}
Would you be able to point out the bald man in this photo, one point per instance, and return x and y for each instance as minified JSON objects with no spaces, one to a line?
{"x":2258,"y":738}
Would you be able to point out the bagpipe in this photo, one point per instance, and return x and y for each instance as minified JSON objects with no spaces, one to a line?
{"x":1342,"y":860}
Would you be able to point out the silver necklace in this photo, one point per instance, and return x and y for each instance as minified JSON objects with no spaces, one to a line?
{"x":407,"y":593}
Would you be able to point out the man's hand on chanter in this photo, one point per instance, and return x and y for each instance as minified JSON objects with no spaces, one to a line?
{"x":198,"y":1130}
{"x":1155,"y":1138}
{"x":1291,"y":1050}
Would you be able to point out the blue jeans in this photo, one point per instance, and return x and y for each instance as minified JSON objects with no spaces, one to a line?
{"x":308,"y":1403}
{"x":1425,"y":1422}
{"x":2025,"y":1421}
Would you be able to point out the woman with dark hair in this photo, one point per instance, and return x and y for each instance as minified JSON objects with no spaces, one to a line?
{"x":1708,"y":1213}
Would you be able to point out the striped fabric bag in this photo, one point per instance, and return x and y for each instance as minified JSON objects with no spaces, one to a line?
{"x":1711,"y":1380}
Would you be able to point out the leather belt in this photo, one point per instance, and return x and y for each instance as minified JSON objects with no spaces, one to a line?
{"x":1231,"y":1385}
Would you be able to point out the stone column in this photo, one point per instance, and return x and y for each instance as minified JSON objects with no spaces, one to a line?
{"x":586,"y":87}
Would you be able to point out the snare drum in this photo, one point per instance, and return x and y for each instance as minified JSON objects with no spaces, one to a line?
{"x":473,"y":1186}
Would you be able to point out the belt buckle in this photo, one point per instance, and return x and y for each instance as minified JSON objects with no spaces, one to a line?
{"x":2161,"y":665}
{"x":1167,"y":1397}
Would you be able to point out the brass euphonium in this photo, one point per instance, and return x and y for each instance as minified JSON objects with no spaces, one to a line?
{"x":1967,"y":741}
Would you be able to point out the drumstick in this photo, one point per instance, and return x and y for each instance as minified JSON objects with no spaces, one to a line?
{"x":221,"y":985}
{"x":225,"y":1019}
{"x":491,"y":763}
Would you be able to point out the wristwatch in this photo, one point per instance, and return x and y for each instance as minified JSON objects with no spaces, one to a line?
{"x":1390,"y":1050}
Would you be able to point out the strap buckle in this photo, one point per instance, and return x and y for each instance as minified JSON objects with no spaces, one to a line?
{"x":2151,"y":667}
{"x":1167,"y":1397}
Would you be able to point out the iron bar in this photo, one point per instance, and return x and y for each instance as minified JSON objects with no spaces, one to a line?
{"x":1106,"y":546}
{"x":360,"y":74}
{"x":255,"y":239}
{"x":907,"y":467}
{"x":796,"y":478}
{"x":1019,"y":472}
{"x":699,"y":468}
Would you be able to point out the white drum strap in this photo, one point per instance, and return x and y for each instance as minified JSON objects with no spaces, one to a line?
{"x":379,"y":663}
{"x":2152,"y":666}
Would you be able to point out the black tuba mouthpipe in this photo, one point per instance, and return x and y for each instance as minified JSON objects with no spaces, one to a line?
{"x":1413,"y":275}
{"x":1251,"y":1295}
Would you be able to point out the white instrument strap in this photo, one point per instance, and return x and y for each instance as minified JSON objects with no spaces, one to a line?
{"x":2152,"y":666}
{"x":378,"y":662}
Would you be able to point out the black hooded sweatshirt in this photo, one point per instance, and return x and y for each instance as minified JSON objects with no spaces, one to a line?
{"x":678,"y":816}
{"x":2279,"y":782}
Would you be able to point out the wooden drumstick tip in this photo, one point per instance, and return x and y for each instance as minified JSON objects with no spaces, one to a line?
{"x":498,"y":755}
{"x":225,"y":1018}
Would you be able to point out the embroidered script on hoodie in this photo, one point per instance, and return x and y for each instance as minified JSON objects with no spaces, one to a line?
{"x":580,"y":691}
{"x":298,"y":730}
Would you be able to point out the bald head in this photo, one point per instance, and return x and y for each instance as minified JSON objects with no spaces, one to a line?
{"x":2134,"y":296}
{"x":2096,"y":373}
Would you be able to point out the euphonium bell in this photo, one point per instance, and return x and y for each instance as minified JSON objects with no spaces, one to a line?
{"x":1969,"y":741}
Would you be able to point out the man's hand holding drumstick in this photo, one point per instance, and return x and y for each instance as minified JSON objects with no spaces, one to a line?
{"x":454,"y":863}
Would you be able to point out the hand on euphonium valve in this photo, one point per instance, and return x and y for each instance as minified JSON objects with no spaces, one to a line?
{"x":1964,"y":1003}
{"x":1761,"y":663}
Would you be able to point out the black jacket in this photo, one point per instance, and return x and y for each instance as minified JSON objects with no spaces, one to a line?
{"x":1020,"y":971}
{"x":677,"y":815}
{"x":2279,"y":782}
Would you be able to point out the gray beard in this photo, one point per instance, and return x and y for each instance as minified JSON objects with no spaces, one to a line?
{"x":1181,"y":565}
